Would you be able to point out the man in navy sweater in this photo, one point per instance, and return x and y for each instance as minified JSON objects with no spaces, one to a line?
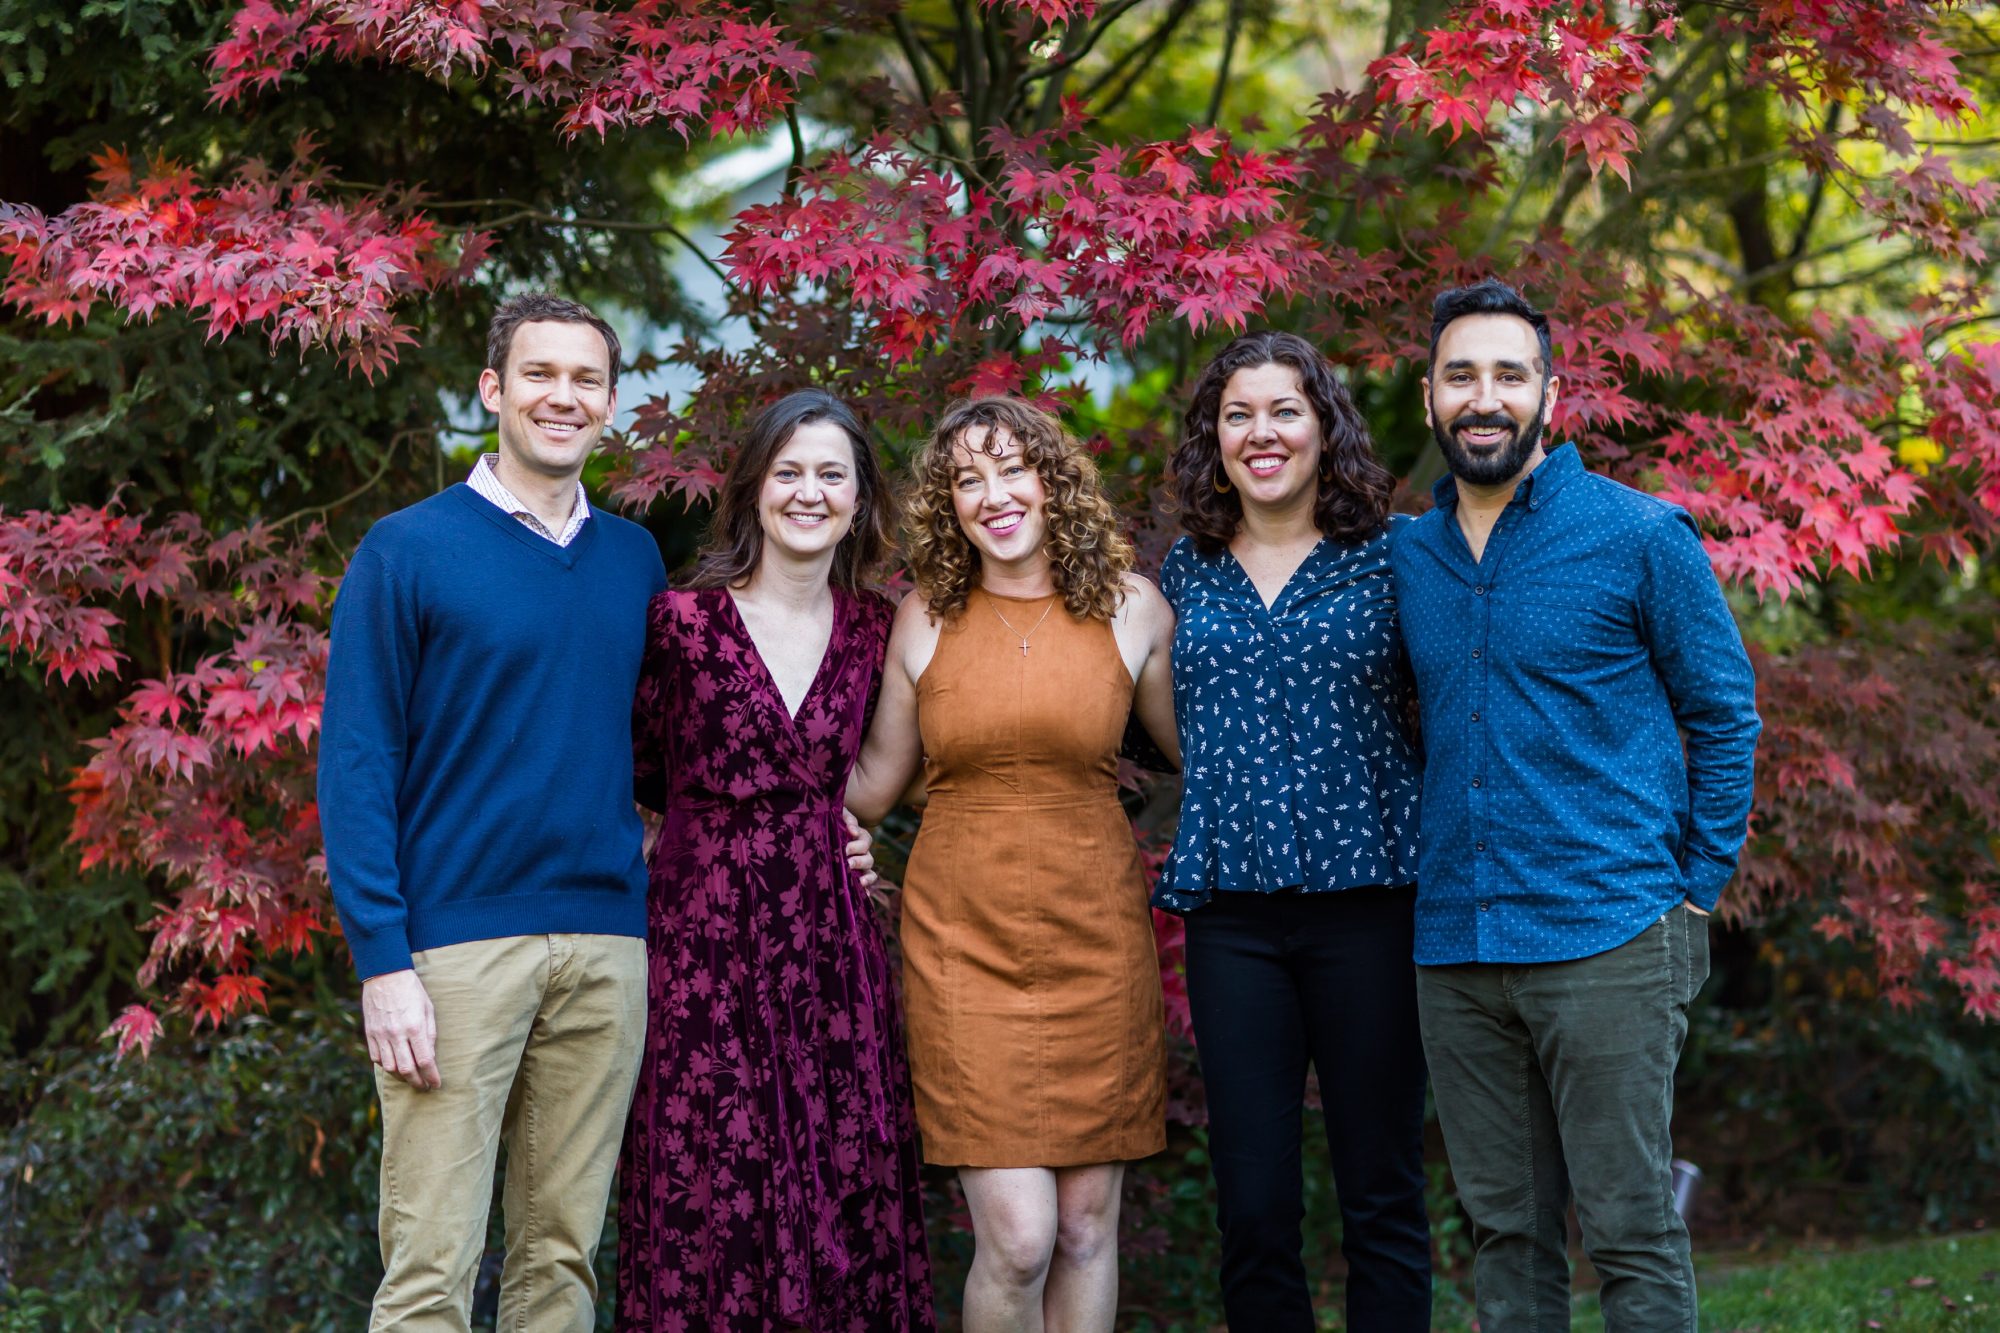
{"x":475,"y":789}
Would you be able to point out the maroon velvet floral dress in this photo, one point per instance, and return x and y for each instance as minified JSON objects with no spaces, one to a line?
{"x":770,"y":1170}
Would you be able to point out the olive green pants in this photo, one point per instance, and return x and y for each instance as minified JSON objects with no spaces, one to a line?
{"x":1555,"y":1081}
{"x":538,"y":1043}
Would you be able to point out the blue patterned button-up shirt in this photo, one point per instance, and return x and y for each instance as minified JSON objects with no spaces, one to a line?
{"x":1559,"y":676}
{"x":1298,"y":772}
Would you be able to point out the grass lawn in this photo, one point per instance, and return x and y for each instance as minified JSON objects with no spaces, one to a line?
{"x":1921,"y":1286}
{"x":1949,"y":1282}
{"x":1941,"y":1283}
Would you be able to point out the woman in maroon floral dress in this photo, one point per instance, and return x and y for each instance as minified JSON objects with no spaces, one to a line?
{"x":770,"y":1172}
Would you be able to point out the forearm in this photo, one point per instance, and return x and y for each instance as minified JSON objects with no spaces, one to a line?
{"x":875,"y":785}
{"x":1721,"y":759}
{"x":1711,"y":687}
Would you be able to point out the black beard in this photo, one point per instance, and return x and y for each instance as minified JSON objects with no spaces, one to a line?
{"x":1496,"y":468}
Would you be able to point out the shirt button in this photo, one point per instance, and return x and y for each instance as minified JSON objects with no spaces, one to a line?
{"x":1479,"y":591}
{"x":1475,"y":652}
{"x":1478,"y":846}
{"x":1475,"y":717}
{"x":1484,"y":906}
{"x":1476,"y":781}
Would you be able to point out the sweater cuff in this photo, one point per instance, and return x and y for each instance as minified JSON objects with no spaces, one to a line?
{"x":386,"y":950}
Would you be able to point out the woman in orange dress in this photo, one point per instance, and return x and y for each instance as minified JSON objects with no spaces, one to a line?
{"x":1030,"y":983}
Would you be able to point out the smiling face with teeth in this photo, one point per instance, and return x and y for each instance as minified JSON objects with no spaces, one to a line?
{"x":809,"y":495}
{"x":1487,"y":398}
{"x":1269,"y":437}
{"x":553,"y":398}
{"x":1000,"y":500}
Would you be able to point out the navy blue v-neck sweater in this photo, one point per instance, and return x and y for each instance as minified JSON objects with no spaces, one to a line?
{"x":475,"y":770}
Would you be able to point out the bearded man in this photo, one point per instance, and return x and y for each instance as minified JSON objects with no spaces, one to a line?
{"x":1589,"y":728}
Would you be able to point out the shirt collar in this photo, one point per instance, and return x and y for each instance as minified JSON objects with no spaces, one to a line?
{"x":1536,"y":489}
{"x":485,"y":479}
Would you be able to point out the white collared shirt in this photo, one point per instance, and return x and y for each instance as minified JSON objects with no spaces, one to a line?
{"x":486,"y":480}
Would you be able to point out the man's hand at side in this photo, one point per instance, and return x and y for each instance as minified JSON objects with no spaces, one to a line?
{"x":859,"y":849}
{"x":396,"y":1014}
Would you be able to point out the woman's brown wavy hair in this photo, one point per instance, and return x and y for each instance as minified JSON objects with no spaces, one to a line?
{"x":736,"y":533}
{"x":1354,"y":489}
{"x":1090,"y":555}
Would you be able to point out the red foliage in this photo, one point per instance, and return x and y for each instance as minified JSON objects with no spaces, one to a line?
{"x":1050,"y":12}
{"x":1191,"y":229}
{"x":1499,"y":52}
{"x":685,"y":64}
{"x":1879,"y":797}
{"x":899,"y":275}
{"x":206,"y":779}
{"x":264,"y":250}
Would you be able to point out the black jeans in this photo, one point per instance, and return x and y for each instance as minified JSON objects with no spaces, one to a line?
{"x":1276,"y":980}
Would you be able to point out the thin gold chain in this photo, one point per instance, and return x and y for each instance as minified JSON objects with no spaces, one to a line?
{"x":1031,"y":629}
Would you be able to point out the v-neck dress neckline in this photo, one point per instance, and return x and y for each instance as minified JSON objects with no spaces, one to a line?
{"x":770,"y":677}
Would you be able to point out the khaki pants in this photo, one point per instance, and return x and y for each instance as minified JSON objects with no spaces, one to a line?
{"x":538,"y":1042}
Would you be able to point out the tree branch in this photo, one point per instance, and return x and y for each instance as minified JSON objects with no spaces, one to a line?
{"x":1161,"y":31}
{"x":969,"y":73}
{"x":1864,"y":275}
{"x":1576,"y":174}
{"x":1232,"y":27}
{"x":1068,"y":58}
{"x":798,"y":165}
{"x":919,"y":56}
{"x":396,"y":442}
{"x":1146,"y":51}
{"x":916,"y":53}
{"x":1817,"y":198}
{"x":1050,"y":108}
{"x":524,"y":212}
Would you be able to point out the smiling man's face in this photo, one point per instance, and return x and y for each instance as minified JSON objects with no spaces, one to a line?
{"x":1487,"y":398}
{"x":553,"y":398}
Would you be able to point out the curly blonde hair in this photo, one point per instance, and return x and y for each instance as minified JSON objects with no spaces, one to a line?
{"x":1090,"y":555}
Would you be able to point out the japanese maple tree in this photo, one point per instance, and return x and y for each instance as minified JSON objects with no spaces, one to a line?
{"x":980,"y":223}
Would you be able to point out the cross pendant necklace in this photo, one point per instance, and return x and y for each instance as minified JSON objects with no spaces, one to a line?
{"x":1031,"y":629}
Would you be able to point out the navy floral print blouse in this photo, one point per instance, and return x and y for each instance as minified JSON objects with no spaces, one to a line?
{"x":1299,"y":771}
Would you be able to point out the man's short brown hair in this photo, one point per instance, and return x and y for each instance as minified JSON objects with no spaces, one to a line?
{"x":539,"y":307}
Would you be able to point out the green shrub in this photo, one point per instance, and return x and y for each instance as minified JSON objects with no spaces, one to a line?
{"x":227,"y":1183}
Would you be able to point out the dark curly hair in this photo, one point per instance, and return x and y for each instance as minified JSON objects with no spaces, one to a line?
{"x":1354,"y":489}
{"x":1090,"y":555}
{"x":736,"y":534}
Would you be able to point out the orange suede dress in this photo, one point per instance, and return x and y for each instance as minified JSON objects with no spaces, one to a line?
{"x":1030,"y":980}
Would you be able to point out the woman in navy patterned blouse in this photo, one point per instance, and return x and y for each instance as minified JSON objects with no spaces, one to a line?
{"x":1296,"y":849}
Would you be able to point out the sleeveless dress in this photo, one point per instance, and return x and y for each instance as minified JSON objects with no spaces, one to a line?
{"x":770,"y":1179}
{"x":1030,"y":981}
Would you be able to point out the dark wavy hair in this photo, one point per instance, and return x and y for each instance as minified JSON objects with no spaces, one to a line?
{"x":1089,"y":553}
{"x":736,"y":536}
{"x":1354,"y":489}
